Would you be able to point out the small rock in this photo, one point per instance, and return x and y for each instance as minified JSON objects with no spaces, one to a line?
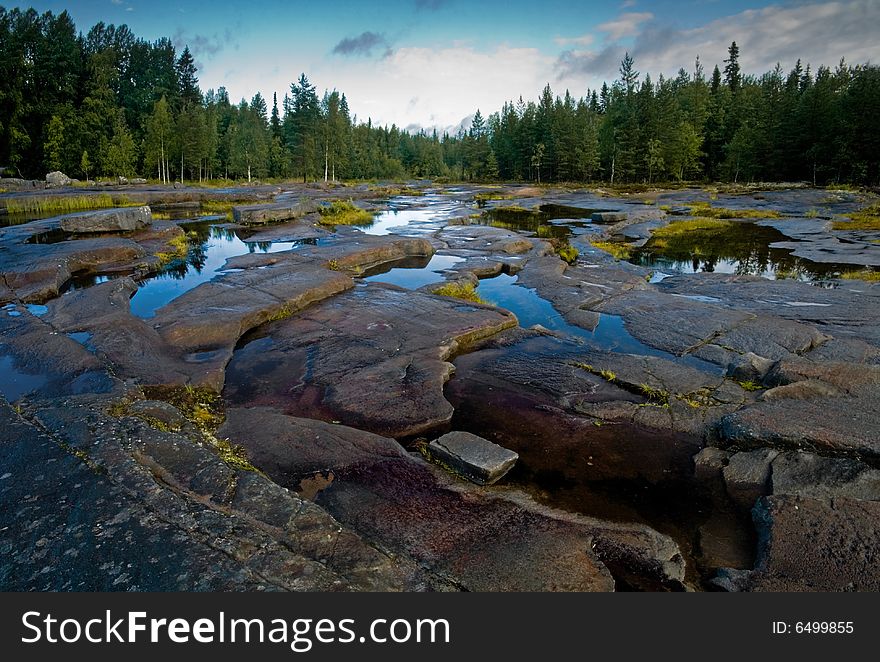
{"x":747,"y":475}
{"x":138,"y":180}
{"x":473,"y":457}
{"x":608,"y":217}
{"x":709,"y":462}
{"x":57,"y":179}
{"x":749,"y":367}
{"x":122,"y":180}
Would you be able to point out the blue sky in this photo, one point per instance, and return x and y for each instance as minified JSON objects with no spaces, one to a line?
{"x":432,"y":62}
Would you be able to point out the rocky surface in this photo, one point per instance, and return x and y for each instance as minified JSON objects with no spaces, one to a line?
{"x":472,"y":457}
{"x":108,"y":220}
{"x":635,"y":394}
{"x":375,"y":358}
{"x":476,"y":541}
{"x":111,"y":504}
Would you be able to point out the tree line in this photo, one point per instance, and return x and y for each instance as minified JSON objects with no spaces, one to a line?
{"x":107,"y":103}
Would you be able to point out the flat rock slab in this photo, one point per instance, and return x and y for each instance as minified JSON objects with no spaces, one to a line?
{"x":475,"y":458}
{"x":261,"y":214}
{"x":479,"y":542}
{"x":608,"y":217}
{"x":374,"y":357}
{"x":125,"y":219}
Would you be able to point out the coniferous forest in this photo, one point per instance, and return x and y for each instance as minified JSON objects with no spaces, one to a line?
{"x":106,"y":103}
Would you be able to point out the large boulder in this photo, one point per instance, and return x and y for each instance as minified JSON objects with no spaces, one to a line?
{"x":124,"y":219}
{"x":57,"y":179}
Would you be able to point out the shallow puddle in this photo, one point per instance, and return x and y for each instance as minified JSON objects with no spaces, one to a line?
{"x":547,"y":221}
{"x":14,"y":383}
{"x":609,"y":335}
{"x":413,"y":273}
{"x":741,"y":248}
{"x":209,"y":249}
{"x":414,"y":216}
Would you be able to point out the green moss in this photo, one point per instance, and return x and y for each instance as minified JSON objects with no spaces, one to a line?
{"x":706,"y":210}
{"x":344,"y":212}
{"x":619,"y":250}
{"x":485,"y":197}
{"x":678,"y":228}
{"x":568,"y":253}
{"x":282,"y":313}
{"x":749,"y":385}
{"x":867,"y":218}
{"x":864,"y":274}
{"x":464,"y":291}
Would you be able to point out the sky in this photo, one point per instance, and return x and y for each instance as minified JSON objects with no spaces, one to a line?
{"x":432,"y":63}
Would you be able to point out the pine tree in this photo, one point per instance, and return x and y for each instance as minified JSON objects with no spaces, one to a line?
{"x":732,"y":75}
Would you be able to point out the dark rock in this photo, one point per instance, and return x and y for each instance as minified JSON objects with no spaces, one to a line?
{"x":472,"y":457}
{"x":125,"y":219}
{"x":375,"y":358}
{"x":809,"y":475}
{"x":709,"y":463}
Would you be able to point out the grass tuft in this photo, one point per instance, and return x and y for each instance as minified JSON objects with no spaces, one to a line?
{"x":464,"y":291}
{"x":867,"y":218}
{"x":618,"y":249}
{"x":344,"y":212}
{"x":866,"y":275}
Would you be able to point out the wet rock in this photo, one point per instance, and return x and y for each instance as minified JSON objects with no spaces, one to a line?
{"x":473,"y":457}
{"x":747,"y":475}
{"x":57,"y":179}
{"x":817,"y":477}
{"x":125,"y":219}
{"x":116,"y":505}
{"x":375,"y":358}
{"x":816,"y":545}
{"x":261,"y":214}
{"x":477,"y":541}
{"x":608,"y":217}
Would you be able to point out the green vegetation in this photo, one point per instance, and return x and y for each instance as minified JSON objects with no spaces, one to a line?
{"x":679,"y":228}
{"x":179,"y":246}
{"x":568,"y":253}
{"x":654,"y":394}
{"x":344,"y":212}
{"x":63,"y":204}
{"x":706,"y":210}
{"x":749,"y":385}
{"x":618,"y":249}
{"x":485,"y":197}
{"x":864,"y":219}
{"x":865,"y":274}
{"x":459,"y":290}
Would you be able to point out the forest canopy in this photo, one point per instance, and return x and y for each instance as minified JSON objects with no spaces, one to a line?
{"x":107,"y":103}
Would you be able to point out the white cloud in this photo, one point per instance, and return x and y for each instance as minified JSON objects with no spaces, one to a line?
{"x":818,"y":33}
{"x":583,"y":40}
{"x":625,"y":25}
